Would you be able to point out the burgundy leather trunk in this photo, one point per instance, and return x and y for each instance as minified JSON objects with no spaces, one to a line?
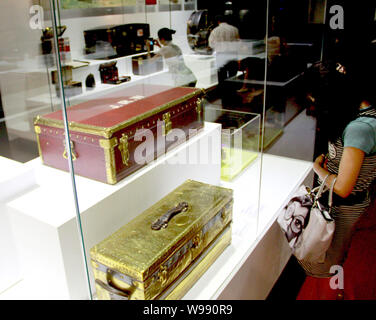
{"x":116,"y":135}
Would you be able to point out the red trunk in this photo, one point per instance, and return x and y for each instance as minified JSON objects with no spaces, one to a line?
{"x":102,"y":131}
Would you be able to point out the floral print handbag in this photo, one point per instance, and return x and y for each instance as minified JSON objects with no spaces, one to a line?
{"x":307,"y":223}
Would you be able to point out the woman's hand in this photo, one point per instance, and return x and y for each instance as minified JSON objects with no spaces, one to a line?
{"x":147,"y":44}
{"x":321,"y":161}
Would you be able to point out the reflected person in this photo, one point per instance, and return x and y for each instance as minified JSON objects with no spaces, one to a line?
{"x":182,"y":76}
{"x":224,"y":41}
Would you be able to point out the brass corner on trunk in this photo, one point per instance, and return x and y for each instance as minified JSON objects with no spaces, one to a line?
{"x":109,"y":154}
{"x":38,"y":131}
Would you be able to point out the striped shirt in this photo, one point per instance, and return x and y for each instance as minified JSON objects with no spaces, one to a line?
{"x":345,"y":215}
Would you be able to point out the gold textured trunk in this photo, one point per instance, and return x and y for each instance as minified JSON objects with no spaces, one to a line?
{"x":162,"y":252}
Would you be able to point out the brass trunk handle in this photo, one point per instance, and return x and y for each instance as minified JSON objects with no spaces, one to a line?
{"x":199,"y":103}
{"x":167,"y":124}
{"x":119,"y":294}
{"x":124,"y":149}
{"x":163,"y":221}
{"x":65,"y":153}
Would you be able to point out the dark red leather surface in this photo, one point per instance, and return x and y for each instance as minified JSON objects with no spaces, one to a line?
{"x":90,"y":160}
{"x":101,"y":112}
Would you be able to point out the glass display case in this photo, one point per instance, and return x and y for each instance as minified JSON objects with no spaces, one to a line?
{"x":273,"y":126}
{"x":29,"y":220}
{"x":103,"y":115}
{"x":240,"y":139}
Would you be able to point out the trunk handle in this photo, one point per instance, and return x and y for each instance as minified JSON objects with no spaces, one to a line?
{"x":162,"y":222}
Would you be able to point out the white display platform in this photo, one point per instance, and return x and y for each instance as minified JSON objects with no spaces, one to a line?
{"x":100,"y":88}
{"x":14,"y":180}
{"x":250,"y":266}
{"x":44,"y":221}
{"x":247,"y":269}
{"x":203,"y":68}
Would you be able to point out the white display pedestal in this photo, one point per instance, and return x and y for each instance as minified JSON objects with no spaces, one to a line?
{"x":250,"y":266}
{"x":44,"y":220}
{"x":14,"y":180}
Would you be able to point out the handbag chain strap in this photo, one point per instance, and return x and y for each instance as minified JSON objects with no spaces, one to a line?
{"x":321,"y":189}
{"x":330,"y":200}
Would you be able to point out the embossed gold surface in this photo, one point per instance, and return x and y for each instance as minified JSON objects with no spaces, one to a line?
{"x":202,"y":266}
{"x":147,"y":261}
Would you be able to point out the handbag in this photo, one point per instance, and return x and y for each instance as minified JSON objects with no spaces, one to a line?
{"x":307,"y":223}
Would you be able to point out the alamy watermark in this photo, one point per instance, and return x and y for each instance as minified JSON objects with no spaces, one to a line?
{"x":37,"y":17}
{"x":337,"y":280}
{"x":337,"y":20}
{"x":151,"y":146}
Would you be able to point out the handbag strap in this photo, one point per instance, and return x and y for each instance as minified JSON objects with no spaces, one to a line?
{"x":330,"y":200}
{"x":322,"y":187}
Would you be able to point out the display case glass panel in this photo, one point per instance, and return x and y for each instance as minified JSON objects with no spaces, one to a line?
{"x":152,"y":85}
{"x":34,"y":201}
{"x":103,"y":115}
{"x":141,"y":122}
{"x":240,"y":139}
{"x":294,"y":42}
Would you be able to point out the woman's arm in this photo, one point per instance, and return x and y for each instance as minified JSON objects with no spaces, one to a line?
{"x":348,"y":172}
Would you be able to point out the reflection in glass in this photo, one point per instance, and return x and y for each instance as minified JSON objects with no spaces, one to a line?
{"x":181,"y":75}
{"x":27,"y":87}
{"x":115,"y":60}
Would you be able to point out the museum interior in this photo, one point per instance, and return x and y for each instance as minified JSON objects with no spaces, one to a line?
{"x":122,"y":121}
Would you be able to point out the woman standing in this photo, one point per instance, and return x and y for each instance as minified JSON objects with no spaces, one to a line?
{"x":351,"y":159}
{"x":182,"y":76}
